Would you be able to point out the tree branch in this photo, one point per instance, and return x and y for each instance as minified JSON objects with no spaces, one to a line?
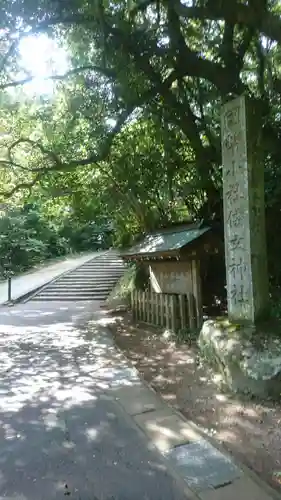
{"x":12,"y":164}
{"x":261,"y":68}
{"x":192,"y":64}
{"x":141,"y":6}
{"x":22,"y":185}
{"x":46,"y":152}
{"x":58,"y":164}
{"x":183,"y":117}
{"x":235,"y":12}
{"x":244,"y":46}
{"x":106,"y":72}
{"x":226,"y":49}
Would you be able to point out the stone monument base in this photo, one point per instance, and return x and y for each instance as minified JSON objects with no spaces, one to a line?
{"x":248,"y":359}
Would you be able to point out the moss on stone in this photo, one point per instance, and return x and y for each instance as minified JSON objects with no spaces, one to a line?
{"x":244,"y":365}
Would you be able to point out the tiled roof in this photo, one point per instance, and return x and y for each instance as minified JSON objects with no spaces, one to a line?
{"x":163,"y":241}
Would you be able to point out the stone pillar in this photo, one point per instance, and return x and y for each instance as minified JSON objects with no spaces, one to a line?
{"x":244,"y":220}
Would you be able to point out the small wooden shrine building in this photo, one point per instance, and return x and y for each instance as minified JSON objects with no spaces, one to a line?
{"x":172,"y":256}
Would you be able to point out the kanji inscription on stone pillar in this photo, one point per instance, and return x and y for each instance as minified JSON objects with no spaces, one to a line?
{"x":244,"y":220}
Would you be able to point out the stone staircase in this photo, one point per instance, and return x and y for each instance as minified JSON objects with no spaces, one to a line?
{"x":93,"y":280}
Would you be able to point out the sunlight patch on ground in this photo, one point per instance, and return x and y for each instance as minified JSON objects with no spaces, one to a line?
{"x":57,"y":363}
{"x":221,"y":397}
{"x":108,"y":321}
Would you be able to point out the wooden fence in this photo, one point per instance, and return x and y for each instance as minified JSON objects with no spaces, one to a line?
{"x":172,"y":311}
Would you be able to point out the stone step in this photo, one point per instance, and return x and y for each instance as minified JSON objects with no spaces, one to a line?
{"x":47,"y":293}
{"x":87,"y":281}
{"x":70,"y":297}
{"x":98,"y":261}
{"x":97,"y":271}
{"x":90,"y":278}
{"x":56,"y":298}
{"x":98,"y":265}
{"x":85,"y":287}
{"x":94,"y":275}
{"x":74,"y":292}
{"x":117,"y":265}
{"x":103,"y":262}
{"x":67,"y":291}
{"x":92,"y":281}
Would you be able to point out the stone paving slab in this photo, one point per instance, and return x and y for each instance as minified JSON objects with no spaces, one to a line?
{"x":137,"y":399}
{"x":171,"y":433}
{"x":240,"y":489}
{"x":166,"y":429}
{"x":203,"y":466}
{"x":118,"y":377}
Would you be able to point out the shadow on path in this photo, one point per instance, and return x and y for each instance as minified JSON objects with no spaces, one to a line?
{"x":62,"y":434}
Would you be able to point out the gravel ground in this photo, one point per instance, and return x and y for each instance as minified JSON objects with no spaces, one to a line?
{"x":249,"y":430}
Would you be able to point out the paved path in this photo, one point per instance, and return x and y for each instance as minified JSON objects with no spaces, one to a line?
{"x":27,"y":282}
{"x":62,"y":432}
{"x":77,"y":421}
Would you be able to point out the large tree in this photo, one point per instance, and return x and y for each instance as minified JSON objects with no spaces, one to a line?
{"x":168,"y":61}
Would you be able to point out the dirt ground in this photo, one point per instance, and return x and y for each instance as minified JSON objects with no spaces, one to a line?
{"x":249,"y":430}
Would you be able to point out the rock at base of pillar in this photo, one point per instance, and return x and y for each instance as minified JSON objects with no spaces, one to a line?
{"x":249,"y":362}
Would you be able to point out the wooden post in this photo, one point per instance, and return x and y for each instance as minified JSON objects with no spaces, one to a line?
{"x":156,"y":312}
{"x":9,"y":288}
{"x":148,"y":305}
{"x":173,"y":312}
{"x":137,"y":299}
{"x":151,"y":311}
{"x":182,"y":311}
{"x":139,"y":305}
{"x":142,"y":306}
{"x":151,"y":307}
{"x":166,"y":311}
{"x":135,"y":304}
{"x":191,"y":312}
{"x":162,"y":308}
{"x":156,"y":317}
{"x":186,"y":311}
{"x":145,"y":306}
{"x":132,"y":304}
{"x":196,"y":278}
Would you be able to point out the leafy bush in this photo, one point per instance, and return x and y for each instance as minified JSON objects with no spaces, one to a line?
{"x":19,"y":246}
{"x":88,"y":236}
{"x":28,"y":237}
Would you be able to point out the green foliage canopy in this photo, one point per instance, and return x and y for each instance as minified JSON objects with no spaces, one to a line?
{"x":131,"y":133}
